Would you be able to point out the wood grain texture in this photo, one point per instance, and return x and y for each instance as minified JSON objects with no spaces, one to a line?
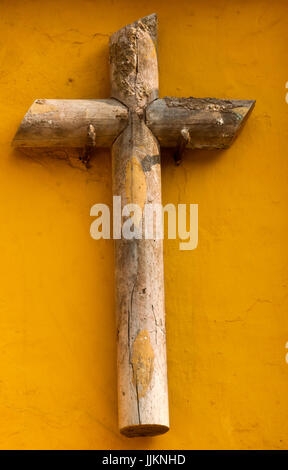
{"x":139,"y":277}
{"x":133,"y":63}
{"x":65,"y":123}
{"x":212,"y":123}
{"x":139,"y":280}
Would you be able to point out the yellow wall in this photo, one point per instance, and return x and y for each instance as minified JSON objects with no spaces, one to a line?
{"x":226,"y":302}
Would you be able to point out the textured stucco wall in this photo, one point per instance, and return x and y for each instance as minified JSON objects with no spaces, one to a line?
{"x":226,"y":302}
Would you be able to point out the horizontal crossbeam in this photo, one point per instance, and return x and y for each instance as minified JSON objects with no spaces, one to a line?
{"x":211,"y":123}
{"x":65,"y":123}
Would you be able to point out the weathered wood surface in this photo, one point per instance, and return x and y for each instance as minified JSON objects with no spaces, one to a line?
{"x":211,"y":123}
{"x":139,"y":278}
{"x":65,"y":123}
{"x":139,"y":281}
{"x":133,"y":63}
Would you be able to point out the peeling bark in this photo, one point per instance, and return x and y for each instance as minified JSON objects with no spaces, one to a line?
{"x":211,"y":123}
{"x":133,"y":63}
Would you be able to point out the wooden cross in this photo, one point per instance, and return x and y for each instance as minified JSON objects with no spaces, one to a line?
{"x":134,"y":122}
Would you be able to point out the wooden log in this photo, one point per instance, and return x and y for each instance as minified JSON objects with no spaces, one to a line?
{"x":139,"y":278}
{"x":133,"y":63}
{"x":67,"y":123}
{"x":211,"y":123}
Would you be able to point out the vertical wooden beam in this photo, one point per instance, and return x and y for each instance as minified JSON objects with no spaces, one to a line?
{"x":142,"y":368}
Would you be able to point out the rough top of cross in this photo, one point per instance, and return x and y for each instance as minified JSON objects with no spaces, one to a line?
{"x":205,"y":123}
{"x":134,"y":65}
